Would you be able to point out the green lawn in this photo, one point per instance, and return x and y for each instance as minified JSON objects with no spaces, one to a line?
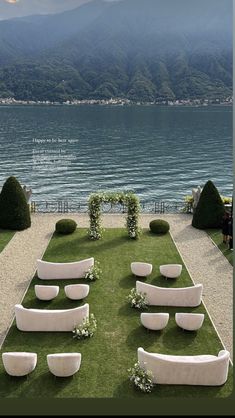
{"x":5,"y":237}
{"x":113,"y":349}
{"x":216,"y":236}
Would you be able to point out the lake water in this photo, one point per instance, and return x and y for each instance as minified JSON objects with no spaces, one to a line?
{"x":161,"y":153}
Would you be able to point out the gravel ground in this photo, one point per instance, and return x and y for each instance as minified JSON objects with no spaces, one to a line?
{"x":202,"y":258}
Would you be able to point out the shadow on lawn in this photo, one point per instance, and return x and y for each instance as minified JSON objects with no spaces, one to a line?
{"x":140,"y":336}
{"x":127,"y":310}
{"x":43,"y":384}
{"x":129,"y":281}
{"x":84,"y":243}
{"x":176,"y":338}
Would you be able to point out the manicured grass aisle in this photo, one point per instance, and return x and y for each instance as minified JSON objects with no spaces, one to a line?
{"x":113,"y":349}
{"x":5,"y":237}
{"x":216,"y":236}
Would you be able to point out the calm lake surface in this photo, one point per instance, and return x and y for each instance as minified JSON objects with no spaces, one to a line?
{"x":161,"y":153}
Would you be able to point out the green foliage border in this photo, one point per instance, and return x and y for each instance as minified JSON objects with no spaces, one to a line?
{"x":129,"y":199}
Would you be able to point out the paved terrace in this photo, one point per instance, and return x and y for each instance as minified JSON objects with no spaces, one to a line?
{"x":202,"y":258}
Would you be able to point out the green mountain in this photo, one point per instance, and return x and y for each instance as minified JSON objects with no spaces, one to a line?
{"x":138,"y":49}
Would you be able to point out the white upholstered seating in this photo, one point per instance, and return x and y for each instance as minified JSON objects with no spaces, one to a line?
{"x":206,"y":370}
{"x":141,"y":269}
{"x":171,"y":271}
{"x":19,"y":363}
{"x":154,"y":321}
{"x":162,"y":296}
{"x":50,"y":320}
{"x":46,"y":292}
{"x":50,"y":271}
{"x":189,"y":321}
{"x":77,"y":291}
{"x":64,"y":364}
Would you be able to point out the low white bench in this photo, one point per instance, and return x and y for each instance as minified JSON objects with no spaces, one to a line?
{"x":64,"y":364}
{"x":205,"y":370}
{"x":141,"y":269}
{"x":46,"y":292}
{"x":50,"y":271}
{"x":19,"y":363}
{"x":162,"y":296}
{"x":189,"y":321}
{"x":154,"y":321}
{"x":50,"y":320}
{"x":77,"y":291}
{"x":171,"y":271}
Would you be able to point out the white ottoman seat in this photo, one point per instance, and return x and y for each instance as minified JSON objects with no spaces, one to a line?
{"x":141,"y":269}
{"x":77,"y":291}
{"x":64,"y":364}
{"x":19,"y":363}
{"x":189,"y":321}
{"x":46,"y":292}
{"x":171,"y":271}
{"x":154,"y":321}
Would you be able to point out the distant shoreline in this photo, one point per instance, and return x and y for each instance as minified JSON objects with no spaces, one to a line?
{"x":22,"y":103}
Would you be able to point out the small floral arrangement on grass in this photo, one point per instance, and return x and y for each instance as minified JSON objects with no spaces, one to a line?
{"x":142,"y":379}
{"x":86,"y":329}
{"x":137,"y":299}
{"x":94,"y":273}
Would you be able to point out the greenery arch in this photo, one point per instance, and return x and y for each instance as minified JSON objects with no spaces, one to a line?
{"x":130,"y":200}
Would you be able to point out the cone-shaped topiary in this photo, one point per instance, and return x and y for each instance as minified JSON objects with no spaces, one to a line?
{"x":14,"y":210}
{"x":210,"y":208}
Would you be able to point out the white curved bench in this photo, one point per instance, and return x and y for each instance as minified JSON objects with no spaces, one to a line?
{"x":141,"y":269}
{"x":64,"y":364}
{"x":171,"y":271}
{"x":77,"y":291}
{"x":19,"y":363}
{"x":46,"y":292}
{"x":162,"y":296}
{"x":50,"y":271}
{"x":50,"y":320}
{"x":189,"y":321}
{"x":205,"y":370}
{"x":154,"y":321}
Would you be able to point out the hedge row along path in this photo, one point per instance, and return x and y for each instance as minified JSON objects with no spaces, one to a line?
{"x":202,"y":258}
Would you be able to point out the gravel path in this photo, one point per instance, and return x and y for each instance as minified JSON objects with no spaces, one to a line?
{"x":203,"y":260}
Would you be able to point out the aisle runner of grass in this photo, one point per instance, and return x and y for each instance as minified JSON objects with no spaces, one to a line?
{"x":113,"y":349}
{"x":5,"y":237}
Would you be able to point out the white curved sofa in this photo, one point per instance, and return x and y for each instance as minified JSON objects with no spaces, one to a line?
{"x":50,"y":271}
{"x":19,"y":363}
{"x":64,"y":364}
{"x":171,"y":271}
{"x":154,"y":321}
{"x":50,"y":320}
{"x":141,"y":269}
{"x":46,"y":292}
{"x":205,"y":370}
{"x":77,"y":291}
{"x":189,"y":321}
{"x":162,"y":296}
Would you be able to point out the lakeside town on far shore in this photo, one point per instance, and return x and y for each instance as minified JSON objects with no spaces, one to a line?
{"x":121,"y":102}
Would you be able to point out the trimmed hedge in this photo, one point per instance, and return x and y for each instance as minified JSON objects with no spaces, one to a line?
{"x":159,"y":226}
{"x":210,"y":208}
{"x":14,"y":210}
{"x":65,"y":226}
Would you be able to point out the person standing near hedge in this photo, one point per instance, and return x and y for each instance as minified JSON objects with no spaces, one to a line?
{"x":225,"y":227}
{"x":230,"y":233}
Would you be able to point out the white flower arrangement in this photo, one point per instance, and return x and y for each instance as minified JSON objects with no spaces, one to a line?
{"x":137,"y":299}
{"x":94,"y":273}
{"x":86,"y":329}
{"x":142,"y":379}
